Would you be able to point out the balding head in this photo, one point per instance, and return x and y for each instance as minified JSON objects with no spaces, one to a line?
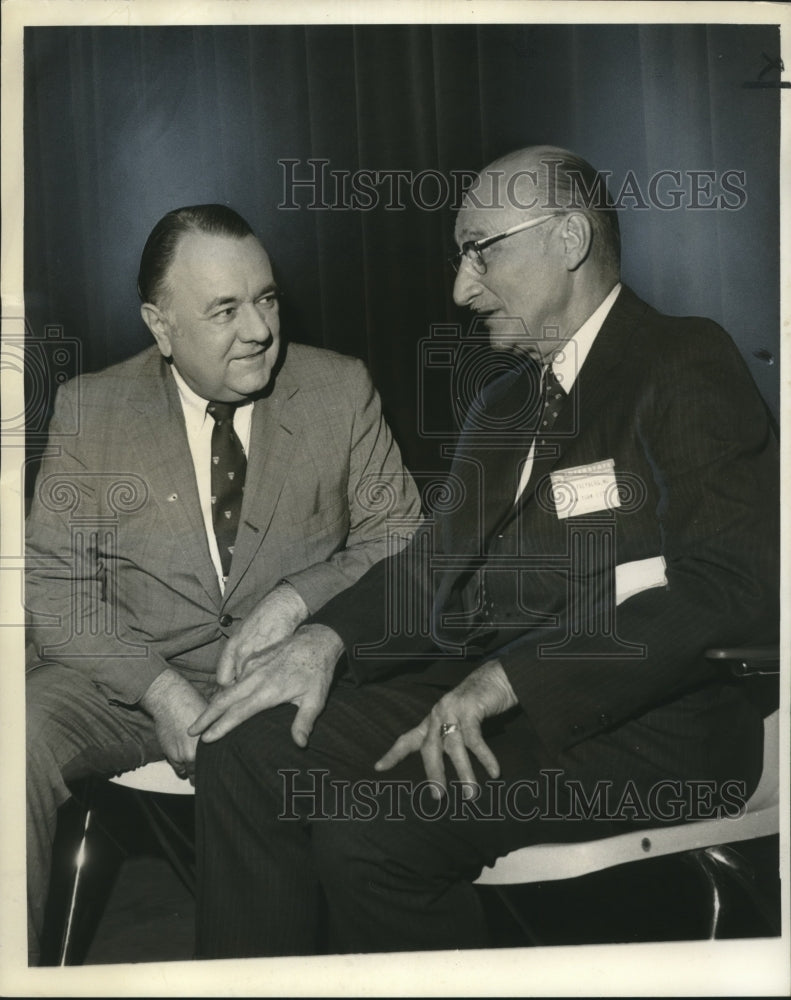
{"x":538,"y":180}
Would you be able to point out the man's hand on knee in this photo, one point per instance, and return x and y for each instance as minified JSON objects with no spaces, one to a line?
{"x":453,"y":729}
{"x":271,"y":621}
{"x":298,"y":671}
{"x":173,"y":704}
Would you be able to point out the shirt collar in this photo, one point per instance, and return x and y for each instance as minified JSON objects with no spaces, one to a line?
{"x":194,"y":406}
{"x":566,"y":367}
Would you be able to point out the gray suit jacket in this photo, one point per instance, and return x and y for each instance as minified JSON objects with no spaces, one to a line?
{"x":120,"y":583}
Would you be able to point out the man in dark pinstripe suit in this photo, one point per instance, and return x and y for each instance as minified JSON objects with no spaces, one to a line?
{"x":621,"y":459}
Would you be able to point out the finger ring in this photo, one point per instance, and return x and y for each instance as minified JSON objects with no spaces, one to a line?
{"x":447,"y":728}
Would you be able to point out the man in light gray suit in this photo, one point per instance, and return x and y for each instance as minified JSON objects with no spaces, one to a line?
{"x":141,"y":564}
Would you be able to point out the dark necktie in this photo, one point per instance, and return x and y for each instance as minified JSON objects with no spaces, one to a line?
{"x":554,"y":395}
{"x":542,"y":419}
{"x":228,"y":467}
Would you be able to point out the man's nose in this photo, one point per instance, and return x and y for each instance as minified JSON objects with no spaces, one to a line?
{"x":466,"y":286}
{"x":254,"y":325}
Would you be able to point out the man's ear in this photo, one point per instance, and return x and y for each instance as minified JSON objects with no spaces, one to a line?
{"x":158,"y":324}
{"x":577,"y":237}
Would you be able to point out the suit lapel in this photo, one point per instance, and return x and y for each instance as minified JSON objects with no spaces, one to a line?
{"x":494,"y":443}
{"x":158,"y":435}
{"x":274,"y":436}
{"x":489,"y":457}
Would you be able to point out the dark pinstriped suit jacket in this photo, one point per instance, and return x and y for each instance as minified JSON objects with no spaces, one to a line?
{"x":670,"y":401}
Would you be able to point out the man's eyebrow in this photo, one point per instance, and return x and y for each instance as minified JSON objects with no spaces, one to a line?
{"x":221,"y":300}
{"x":472,"y":235}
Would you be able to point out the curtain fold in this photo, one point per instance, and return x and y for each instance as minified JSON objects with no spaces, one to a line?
{"x":124,"y":124}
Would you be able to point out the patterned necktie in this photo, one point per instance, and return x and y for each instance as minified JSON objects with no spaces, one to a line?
{"x":550,"y":398}
{"x":228,"y":467}
{"x":554,"y":395}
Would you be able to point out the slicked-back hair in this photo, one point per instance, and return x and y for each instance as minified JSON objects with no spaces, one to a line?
{"x":161,"y":245}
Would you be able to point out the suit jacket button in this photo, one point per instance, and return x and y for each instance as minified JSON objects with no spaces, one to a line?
{"x":225,"y":620}
{"x":604,"y":720}
{"x":576,"y":729}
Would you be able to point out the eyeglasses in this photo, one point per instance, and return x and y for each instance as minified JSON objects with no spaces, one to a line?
{"x":471,"y":249}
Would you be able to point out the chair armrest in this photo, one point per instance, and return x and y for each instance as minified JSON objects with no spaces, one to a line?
{"x":748,"y":661}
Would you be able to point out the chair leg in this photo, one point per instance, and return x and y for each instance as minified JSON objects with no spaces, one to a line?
{"x":79,"y":864}
{"x":709,"y":871}
{"x":716,"y":865}
{"x":732,"y":863}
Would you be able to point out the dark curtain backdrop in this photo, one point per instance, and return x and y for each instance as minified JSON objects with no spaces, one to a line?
{"x":123,"y":124}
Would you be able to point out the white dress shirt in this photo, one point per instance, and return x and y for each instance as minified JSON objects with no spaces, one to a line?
{"x":199,"y":430}
{"x":566,"y":365}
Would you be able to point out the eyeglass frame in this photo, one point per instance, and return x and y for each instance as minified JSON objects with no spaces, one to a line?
{"x":475,"y":246}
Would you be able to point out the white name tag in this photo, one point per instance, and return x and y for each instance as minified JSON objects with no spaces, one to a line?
{"x":585,"y":489}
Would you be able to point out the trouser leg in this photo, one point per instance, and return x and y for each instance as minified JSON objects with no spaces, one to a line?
{"x":257,"y":891}
{"x":402,"y":884}
{"x":398,"y":876}
{"x":72,"y":732}
{"x":274,"y":824}
{"x":257,"y":883}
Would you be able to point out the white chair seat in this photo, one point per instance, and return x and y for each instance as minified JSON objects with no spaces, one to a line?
{"x":158,"y":776}
{"x":550,"y":862}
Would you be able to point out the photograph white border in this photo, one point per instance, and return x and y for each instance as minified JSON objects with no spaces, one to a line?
{"x":732,"y":967}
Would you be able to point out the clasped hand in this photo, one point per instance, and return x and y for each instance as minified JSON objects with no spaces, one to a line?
{"x":172,"y":702}
{"x":298,"y":671}
{"x":483,"y":693}
{"x":272,"y":620}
